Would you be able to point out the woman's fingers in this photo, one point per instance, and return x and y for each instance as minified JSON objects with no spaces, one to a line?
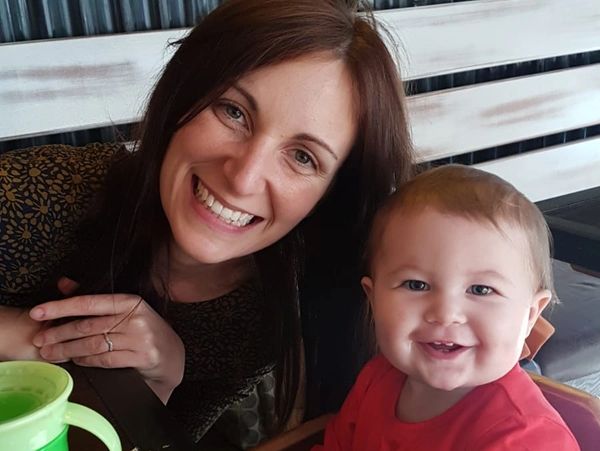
{"x":105,"y":350}
{"x":119,"y":359}
{"x":85,"y":305}
{"x":75,"y":329}
{"x":96,"y":344}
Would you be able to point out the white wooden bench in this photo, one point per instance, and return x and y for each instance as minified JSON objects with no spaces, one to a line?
{"x":80,"y":83}
{"x":70,"y":84}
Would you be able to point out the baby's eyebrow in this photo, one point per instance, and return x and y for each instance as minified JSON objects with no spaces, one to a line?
{"x":490,"y":273}
{"x":402,"y":268}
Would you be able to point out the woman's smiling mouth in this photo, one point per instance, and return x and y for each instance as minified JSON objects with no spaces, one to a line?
{"x":229,"y":216}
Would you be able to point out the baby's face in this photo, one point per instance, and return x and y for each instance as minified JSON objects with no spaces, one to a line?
{"x":453,"y":299}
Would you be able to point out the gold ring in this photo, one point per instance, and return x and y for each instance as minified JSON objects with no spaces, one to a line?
{"x":108,"y":342}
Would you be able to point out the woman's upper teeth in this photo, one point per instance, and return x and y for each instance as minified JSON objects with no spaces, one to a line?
{"x":234,"y":217}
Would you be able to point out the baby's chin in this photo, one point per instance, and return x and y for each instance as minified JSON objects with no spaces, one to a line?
{"x":449,"y":386}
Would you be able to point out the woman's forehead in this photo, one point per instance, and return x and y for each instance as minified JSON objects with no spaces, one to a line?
{"x":314,"y":94}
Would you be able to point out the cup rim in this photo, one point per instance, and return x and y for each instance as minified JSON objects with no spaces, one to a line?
{"x":43,"y":410}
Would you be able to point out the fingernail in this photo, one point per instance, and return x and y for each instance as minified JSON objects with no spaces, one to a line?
{"x":38,"y":341}
{"x":60,"y":361}
{"x":36,"y":313}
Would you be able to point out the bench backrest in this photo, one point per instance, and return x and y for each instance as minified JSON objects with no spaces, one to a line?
{"x":71,"y":84}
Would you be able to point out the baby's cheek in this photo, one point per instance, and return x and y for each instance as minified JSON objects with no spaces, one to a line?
{"x":508,"y":346}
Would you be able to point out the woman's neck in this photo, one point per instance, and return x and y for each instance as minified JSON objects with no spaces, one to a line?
{"x":420,"y":402}
{"x":190,"y":281}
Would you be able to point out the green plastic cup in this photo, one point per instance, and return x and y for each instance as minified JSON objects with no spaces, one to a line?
{"x":35,"y":412}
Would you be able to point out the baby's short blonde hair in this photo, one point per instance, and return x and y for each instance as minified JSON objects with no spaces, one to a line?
{"x":477,"y":195}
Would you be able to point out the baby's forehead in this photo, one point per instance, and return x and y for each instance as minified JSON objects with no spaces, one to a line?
{"x":428,"y":226}
{"x":400,"y":214}
{"x":403,"y":224}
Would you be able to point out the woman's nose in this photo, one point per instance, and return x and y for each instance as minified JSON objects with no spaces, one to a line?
{"x":249,"y":168}
{"x":444,"y":309}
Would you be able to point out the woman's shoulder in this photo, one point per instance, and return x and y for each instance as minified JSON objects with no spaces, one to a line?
{"x":44,"y":193}
{"x":56,"y":169}
{"x":52,"y":155}
{"x":58,"y":176}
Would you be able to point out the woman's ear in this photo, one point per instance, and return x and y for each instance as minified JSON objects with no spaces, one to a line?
{"x":539,"y":302}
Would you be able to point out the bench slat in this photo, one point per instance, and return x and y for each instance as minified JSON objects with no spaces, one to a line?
{"x":461,"y":120}
{"x":70,"y":84}
{"x":477,"y":34}
{"x":553,"y":171}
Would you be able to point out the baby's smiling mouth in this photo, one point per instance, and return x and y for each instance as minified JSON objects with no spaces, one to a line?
{"x":229,"y":216}
{"x":445,"y":346}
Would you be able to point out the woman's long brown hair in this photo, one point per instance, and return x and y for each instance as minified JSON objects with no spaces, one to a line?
{"x":129,"y":226}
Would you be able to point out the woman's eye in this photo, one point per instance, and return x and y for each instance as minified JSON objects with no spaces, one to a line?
{"x":233,"y":112}
{"x":480,"y":290}
{"x":416,"y":285}
{"x":303,"y":158}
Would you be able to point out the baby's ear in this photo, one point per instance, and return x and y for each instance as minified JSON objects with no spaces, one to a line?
{"x":539,"y":302}
{"x":367,"y":284}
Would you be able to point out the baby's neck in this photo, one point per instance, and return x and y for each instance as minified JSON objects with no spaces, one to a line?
{"x":420,"y":402}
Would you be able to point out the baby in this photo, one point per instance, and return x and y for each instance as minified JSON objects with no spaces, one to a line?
{"x":459,"y":271}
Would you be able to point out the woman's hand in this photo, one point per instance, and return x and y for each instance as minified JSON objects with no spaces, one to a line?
{"x":140,"y":337}
{"x":17,"y":330}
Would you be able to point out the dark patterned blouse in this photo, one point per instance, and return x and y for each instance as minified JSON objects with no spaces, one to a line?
{"x":226,"y":362}
{"x":44,"y":192}
{"x":226,"y":397}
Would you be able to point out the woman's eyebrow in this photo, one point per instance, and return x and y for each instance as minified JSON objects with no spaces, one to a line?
{"x":249,"y":98}
{"x":302,"y":136}
{"x":314,"y":139}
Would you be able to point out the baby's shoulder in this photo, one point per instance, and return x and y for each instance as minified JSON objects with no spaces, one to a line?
{"x":377,"y":370}
{"x":512,"y":413}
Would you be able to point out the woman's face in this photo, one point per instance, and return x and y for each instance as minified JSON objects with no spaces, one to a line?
{"x":244,"y":171}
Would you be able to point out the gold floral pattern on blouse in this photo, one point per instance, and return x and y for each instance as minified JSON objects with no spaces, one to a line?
{"x":44,"y":191}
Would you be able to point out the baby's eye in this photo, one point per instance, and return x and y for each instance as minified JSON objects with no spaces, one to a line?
{"x":416,"y":285}
{"x":303,"y":158}
{"x":480,"y":290}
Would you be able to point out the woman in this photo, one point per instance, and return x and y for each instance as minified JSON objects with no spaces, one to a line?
{"x":271,"y":137}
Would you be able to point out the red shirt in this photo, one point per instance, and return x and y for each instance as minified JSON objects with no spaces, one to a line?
{"x":508,"y":414}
